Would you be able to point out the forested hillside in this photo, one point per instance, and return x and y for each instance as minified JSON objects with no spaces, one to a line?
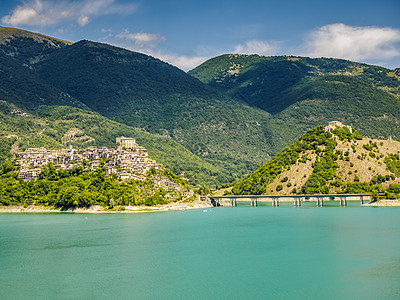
{"x":80,"y":187}
{"x":141,"y":92}
{"x":57,"y":127}
{"x":216,"y":124}
{"x":328,"y":161}
{"x":302,"y":93}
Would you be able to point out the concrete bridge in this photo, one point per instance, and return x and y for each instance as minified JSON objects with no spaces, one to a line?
{"x":297,"y":200}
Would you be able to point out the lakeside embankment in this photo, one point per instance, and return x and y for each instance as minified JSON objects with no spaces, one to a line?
{"x":137,"y":209}
{"x":100,"y":209}
{"x":384,"y":203}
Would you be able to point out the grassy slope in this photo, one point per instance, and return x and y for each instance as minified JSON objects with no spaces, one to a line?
{"x":308,"y":166}
{"x":348,"y":170}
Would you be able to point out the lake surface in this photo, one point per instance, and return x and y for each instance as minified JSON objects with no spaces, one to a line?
{"x":225,"y":253}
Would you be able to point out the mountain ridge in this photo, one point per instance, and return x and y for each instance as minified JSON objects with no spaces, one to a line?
{"x":28,"y":47}
{"x":142,"y":92}
{"x":365,"y":96}
{"x":233,"y":112}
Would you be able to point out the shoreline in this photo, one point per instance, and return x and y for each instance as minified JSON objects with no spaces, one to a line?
{"x":173,"y":206}
{"x":384,"y":203}
{"x":98,"y":209}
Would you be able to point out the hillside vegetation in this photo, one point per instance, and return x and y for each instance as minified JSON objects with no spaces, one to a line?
{"x":60,"y":126}
{"x":79,"y":187}
{"x":216,"y":124}
{"x":328,"y":161}
{"x":302,"y":93}
{"x":142,"y":92}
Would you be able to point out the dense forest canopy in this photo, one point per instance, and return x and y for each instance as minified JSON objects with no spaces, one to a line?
{"x":78,"y":187}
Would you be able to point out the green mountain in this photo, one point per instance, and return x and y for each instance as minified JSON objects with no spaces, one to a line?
{"x":302,"y":93}
{"x":55,"y":127}
{"x":332,"y":159}
{"x":27,"y":47}
{"x":20,"y":51}
{"x":142,"y":91}
{"x":36,"y":114}
{"x":139,"y":91}
{"x":229,"y":115}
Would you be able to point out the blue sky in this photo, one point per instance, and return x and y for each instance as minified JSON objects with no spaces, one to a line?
{"x":186,"y":33}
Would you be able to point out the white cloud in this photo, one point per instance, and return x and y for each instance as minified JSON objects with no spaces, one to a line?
{"x":147,"y":43}
{"x":47,"y":12}
{"x":83,"y":20}
{"x":142,"y":40}
{"x":258,"y":47}
{"x":353,"y":43}
{"x":21,"y":15}
{"x":183,"y":62}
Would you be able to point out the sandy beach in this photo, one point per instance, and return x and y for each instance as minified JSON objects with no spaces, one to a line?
{"x":100,"y":209}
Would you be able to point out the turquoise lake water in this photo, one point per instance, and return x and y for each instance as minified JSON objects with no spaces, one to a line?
{"x":227,"y":253}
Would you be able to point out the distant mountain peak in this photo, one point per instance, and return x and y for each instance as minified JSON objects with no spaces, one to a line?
{"x":28,"y":47}
{"x":9,"y":33}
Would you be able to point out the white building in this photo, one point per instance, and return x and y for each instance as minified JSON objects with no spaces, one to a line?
{"x":128,"y":143}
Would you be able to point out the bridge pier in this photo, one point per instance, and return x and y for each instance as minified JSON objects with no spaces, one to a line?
{"x":297,"y":201}
{"x":342,"y":201}
{"x":361,"y":200}
{"x":275,"y":201}
{"x":320,"y":201}
{"x":254,"y":202}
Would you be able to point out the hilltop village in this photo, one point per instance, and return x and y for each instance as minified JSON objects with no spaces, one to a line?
{"x":128,"y":160}
{"x":95,"y":179}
